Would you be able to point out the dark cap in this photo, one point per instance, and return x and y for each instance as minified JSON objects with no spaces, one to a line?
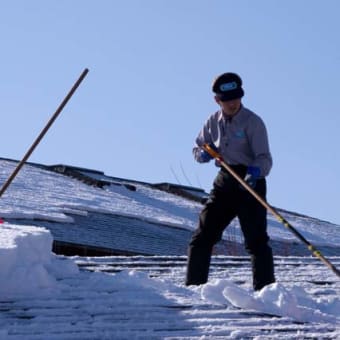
{"x":228,"y":86}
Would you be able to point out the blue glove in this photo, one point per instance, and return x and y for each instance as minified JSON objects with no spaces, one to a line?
{"x":253,"y":174}
{"x":205,"y":156}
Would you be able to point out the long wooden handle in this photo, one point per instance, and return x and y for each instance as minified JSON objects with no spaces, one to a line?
{"x":43,"y":132}
{"x":213,"y":153}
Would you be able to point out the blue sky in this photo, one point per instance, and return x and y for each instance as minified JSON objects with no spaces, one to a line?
{"x":148,"y":91}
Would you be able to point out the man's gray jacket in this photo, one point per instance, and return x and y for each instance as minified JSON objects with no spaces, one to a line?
{"x":242,"y":139}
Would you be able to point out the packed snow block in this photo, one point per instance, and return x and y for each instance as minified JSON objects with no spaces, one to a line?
{"x":26,"y":262}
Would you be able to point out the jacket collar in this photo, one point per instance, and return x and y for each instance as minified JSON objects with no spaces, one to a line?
{"x":236,"y":117}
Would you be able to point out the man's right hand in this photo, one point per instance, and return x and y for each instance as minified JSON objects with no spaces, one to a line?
{"x":204,"y":156}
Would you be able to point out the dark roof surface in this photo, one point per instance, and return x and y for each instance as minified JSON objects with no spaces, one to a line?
{"x":119,"y":234}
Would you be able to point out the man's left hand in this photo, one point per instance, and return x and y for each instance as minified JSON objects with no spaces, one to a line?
{"x":253,"y":174}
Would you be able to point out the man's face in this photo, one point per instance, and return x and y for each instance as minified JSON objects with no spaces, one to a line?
{"x":229,"y":108}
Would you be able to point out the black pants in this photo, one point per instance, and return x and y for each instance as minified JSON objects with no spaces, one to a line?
{"x":226,"y":201}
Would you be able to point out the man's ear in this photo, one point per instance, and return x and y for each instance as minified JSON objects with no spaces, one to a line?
{"x":217,"y":100}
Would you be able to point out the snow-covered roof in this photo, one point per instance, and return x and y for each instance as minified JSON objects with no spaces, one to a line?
{"x":44,"y":296}
{"x":119,"y":219}
{"x":144,"y":220}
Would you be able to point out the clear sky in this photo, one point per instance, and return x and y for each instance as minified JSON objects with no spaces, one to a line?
{"x":148,"y":91}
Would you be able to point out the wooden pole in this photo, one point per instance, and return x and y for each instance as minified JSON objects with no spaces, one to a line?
{"x":43,"y":132}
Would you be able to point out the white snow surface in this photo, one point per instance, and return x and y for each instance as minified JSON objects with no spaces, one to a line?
{"x":40,"y":194}
{"x":29,"y":270}
{"x":37,"y":193}
{"x":33,"y":278}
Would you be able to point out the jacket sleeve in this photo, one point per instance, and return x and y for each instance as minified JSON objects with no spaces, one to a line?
{"x":202,"y":138}
{"x":258,"y":139}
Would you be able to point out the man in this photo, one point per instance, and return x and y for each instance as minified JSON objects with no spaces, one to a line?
{"x":240,"y":136}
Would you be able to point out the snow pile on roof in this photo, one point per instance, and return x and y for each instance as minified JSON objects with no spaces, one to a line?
{"x":27,"y":264}
{"x":273,"y":299}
